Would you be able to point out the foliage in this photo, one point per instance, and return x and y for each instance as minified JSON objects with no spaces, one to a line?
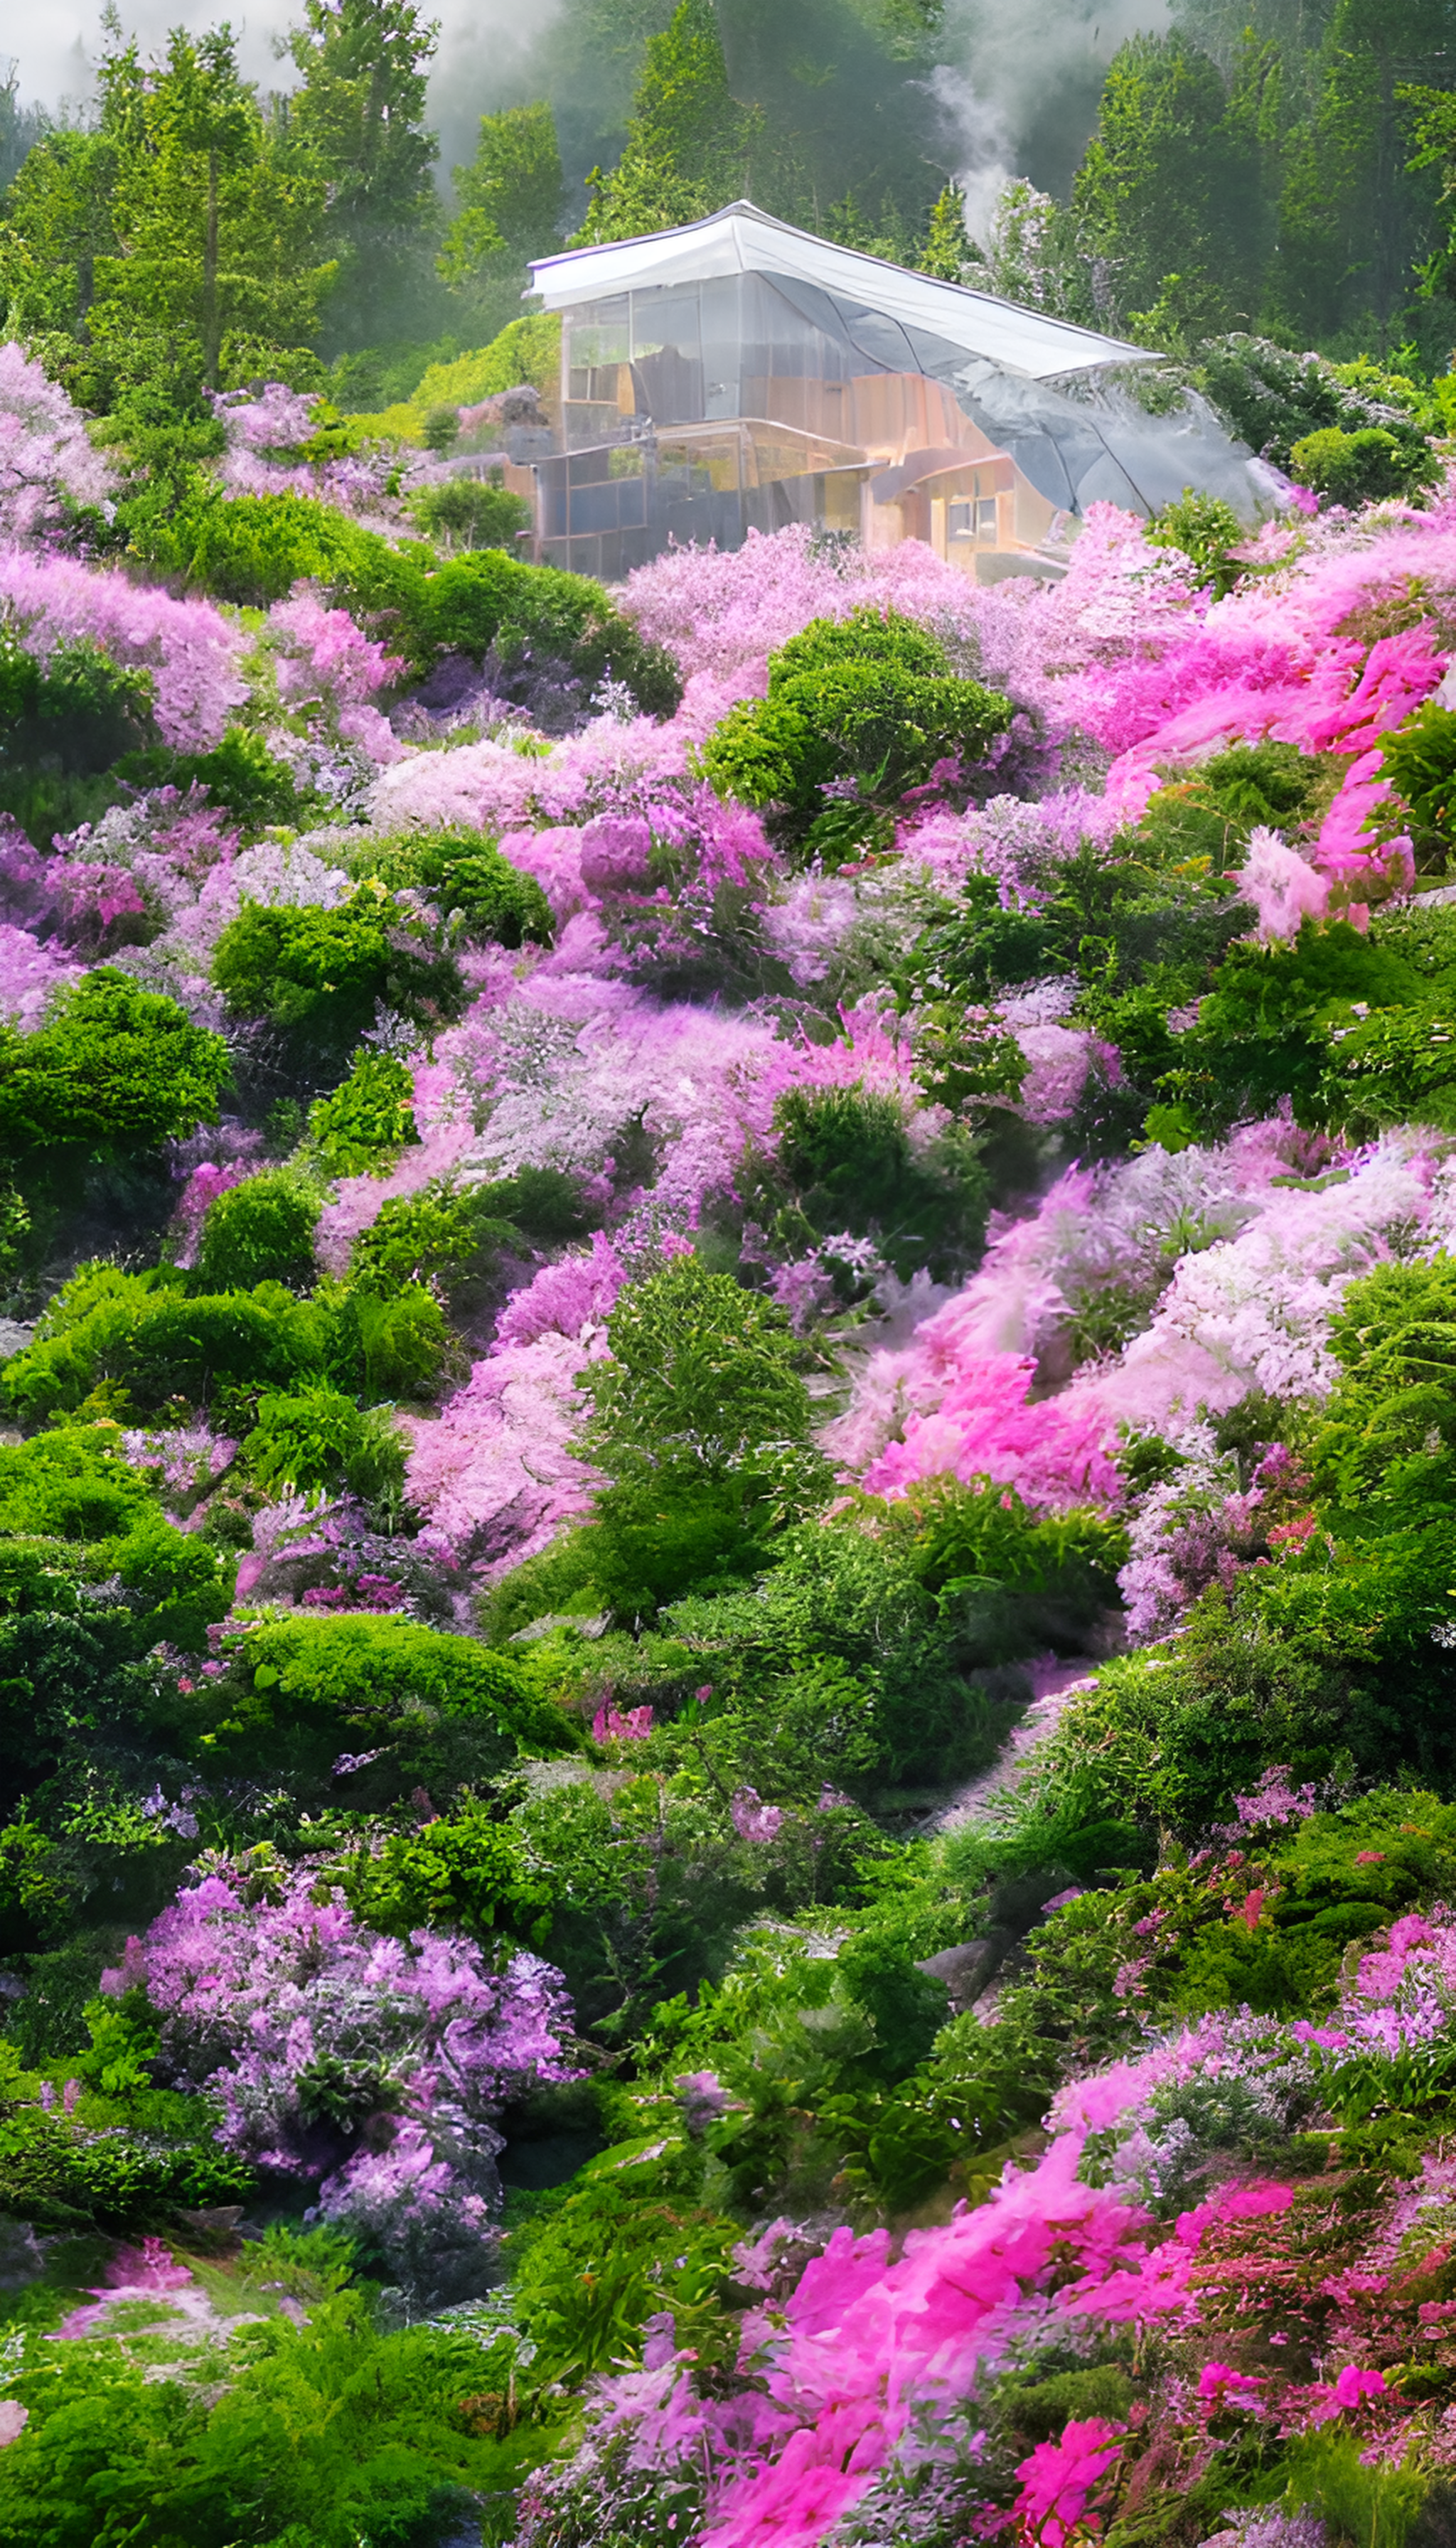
{"x":261,"y":1231}
{"x":471,"y":513}
{"x":869,"y":700}
{"x":368,"y":1119}
{"x":320,"y":974}
{"x":116,"y":1069}
{"x":461,"y":873}
{"x":688,"y":144}
{"x":1351,"y":468}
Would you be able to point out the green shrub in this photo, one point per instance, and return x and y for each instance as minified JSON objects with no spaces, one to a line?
{"x":259,"y":1232}
{"x":253,"y":549}
{"x":303,"y":1438}
{"x":386,"y":1347}
{"x":470,"y":514}
{"x":1419,"y":761}
{"x":377,"y":1675}
{"x":1205,"y":528}
{"x":485,"y":600}
{"x":843,"y":1161}
{"x":319,"y":975}
{"x":72,"y":1484}
{"x":441,"y":1234}
{"x":369,"y":1118}
{"x":627,"y":2242}
{"x":1352,"y":467}
{"x":458,"y":871}
{"x":330,"y":2434}
{"x":1264,"y":1031}
{"x":469,"y":1872}
{"x":63,"y":718}
{"x":239,"y":773}
{"x":870,"y":700}
{"x":145,"y":1335}
{"x":115,"y":1071}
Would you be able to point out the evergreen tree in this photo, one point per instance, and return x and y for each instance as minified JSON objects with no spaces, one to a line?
{"x":1168,"y":200}
{"x":510,"y":194}
{"x":355,"y":124}
{"x":1357,"y":218}
{"x":948,"y":247}
{"x":690,"y":143}
{"x":511,"y":198}
{"x":169,"y":241}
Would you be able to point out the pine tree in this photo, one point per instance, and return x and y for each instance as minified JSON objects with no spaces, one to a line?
{"x":357,"y":123}
{"x":1167,"y":201}
{"x":949,"y":247}
{"x":690,"y":143}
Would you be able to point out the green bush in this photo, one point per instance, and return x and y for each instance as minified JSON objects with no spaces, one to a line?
{"x":239,"y":773}
{"x":458,"y":871}
{"x":441,"y":1234}
{"x":372,"y":1673}
{"x":330,"y":2434}
{"x":72,"y":1484}
{"x":843,"y":1161}
{"x":253,"y":549}
{"x":1419,"y":761}
{"x":1264,"y":1031}
{"x":868,"y":702}
{"x":259,"y":1232}
{"x":145,"y":1335}
{"x":62,"y":717}
{"x":305,"y":1439}
{"x":470,"y":514}
{"x":1206,"y":529}
{"x":319,"y":975}
{"x":1273,"y":400}
{"x":628,"y":2241}
{"x":115,"y":1072}
{"x":369,"y":1118}
{"x":469,"y":1872}
{"x":1351,"y":468}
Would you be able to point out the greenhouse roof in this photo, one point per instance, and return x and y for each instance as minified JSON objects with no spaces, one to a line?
{"x":743,"y":240}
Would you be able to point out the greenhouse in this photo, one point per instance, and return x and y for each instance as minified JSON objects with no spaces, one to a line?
{"x":739,"y":374}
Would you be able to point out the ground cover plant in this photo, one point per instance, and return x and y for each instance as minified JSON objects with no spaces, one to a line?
{"x":727,"y":1443}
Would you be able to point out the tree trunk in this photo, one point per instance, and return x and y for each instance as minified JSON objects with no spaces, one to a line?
{"x":212,"y":334}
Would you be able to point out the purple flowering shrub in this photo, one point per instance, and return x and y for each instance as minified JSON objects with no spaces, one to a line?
{"x":372,"y":2069}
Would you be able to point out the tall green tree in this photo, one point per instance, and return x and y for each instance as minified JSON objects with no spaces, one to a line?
{"x":356,"y":125}
{"x":216,"y":237}
{"x":171,"y":239}
{"x":1358,"y":218}
{"x":511,"y":195}
{"x":1169,"y":200}
{"x":511,"y":198}
{"x":689,"y":144}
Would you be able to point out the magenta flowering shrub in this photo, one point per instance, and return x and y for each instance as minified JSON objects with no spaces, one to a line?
{"x":369,"y":2067}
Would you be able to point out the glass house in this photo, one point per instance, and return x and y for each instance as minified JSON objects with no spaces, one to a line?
{"x":738,"y":374}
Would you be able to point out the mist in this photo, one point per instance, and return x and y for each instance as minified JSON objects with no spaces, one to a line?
{"x":1014,"y":93}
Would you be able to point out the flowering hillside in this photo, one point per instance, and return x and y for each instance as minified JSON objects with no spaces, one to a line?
{"x":727,"y":1530}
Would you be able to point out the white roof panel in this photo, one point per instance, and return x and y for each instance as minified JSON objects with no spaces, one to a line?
{"x":743,"y":240}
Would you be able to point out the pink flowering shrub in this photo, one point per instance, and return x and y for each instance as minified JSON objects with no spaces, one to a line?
{"x":191,"y":647}
{"x":48,"y":465}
